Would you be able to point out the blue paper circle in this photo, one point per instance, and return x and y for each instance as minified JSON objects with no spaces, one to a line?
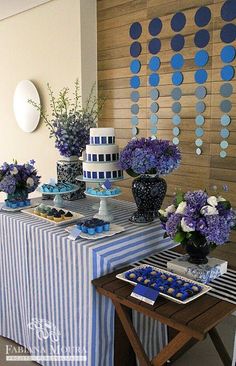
{"x":177,"y":42}
{"x":154,"y":130}
{"x":201,"y":76}
{"x":202,"y":38}
{"x":178,"y":22}
{"x":175,"y":141}
{"x":154,"y":94}
{"x":135,"y":30}
{"x":226,"y":106}
{"x":154,"y":107}
{"x":226,"y":90}
{"x":198,"y":151}
{"x":135,"y":49}
{"x":154,"y":79}
{"x":134,"y":108}
{"x":225,"y":120}
{"x":177,"y":78}
{"x":176,"y":119}
{"x":200,"y":92}
{"x":154,"y":46}
{"x":201,"y":58}
{"x":154,"y":63}
{"x":134,"y":96}
{"x":228,"y":53}
{"x":228,"y":10}
{"x":199,"y":120}
{"x":176,"y":93}
{"x":176,"y":131}
{"x":154,"y":119}
{"x":177,"y":61}
{"x":199,"y":132}
{"x":134,"y":120}
{"x":202,"y":16}
{"x":200,"y":107}
{"x":135,"y":66}
{"x":223,"y":154}
{"x":224,"y":144}
{"x":134,"y":131}
{"x":176,"y":107}
{"x":198,"y":142}
{"x":135,"y":82}
{"x":155,"y":26}
{"x":228,"y":33}
{"x":227,"y":72}
{"x":224,"y":133}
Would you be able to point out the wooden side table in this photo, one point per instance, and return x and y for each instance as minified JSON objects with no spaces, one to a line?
{"x":192,"y":321}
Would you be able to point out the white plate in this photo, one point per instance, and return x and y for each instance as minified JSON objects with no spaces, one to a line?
{"x":18,"y":209}
{"x":114,"y":229}
{"x":76,"y":216}
{"x":205,"y":288}
{"x":74,"y":189}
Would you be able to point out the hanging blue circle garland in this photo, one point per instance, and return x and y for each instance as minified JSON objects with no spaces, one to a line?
{"x":135,"y":49}
{"x":202,"y":38}
{"x":177,"y":78}
{"x":155,"y":27}
{"x":228,"y":33}
{"x":227,"y":73}
{"x":202,"y":16}
{"x":135,"y":66}
{"x":154,"y":46}
{"x":226,"y":90}
{"x":228,"y":10}
{"x":178,"y":22}
{"x":177,"y":42}
{"x":201,"y":58}
{"x":154,"y":63}
{"x":177,"y":61}
{"x":200,"y":76}
{"x":135,"y":82}
{"x":228,"y":53}
{"x":135,"y":30}
{"x":154,"y":79}
{"x":134,"y":96}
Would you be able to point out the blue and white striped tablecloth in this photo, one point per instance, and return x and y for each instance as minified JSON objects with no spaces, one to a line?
{"x":45,"y":276}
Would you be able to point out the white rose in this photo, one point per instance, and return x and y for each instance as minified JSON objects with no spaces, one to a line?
{"x":30,"y":182}
{"x":14,"y":171}
{"x":209,"y":210}
{"x":163,"y":213}
{"x":185,"y":227}
{"x":181,"y":208}
{"x":212,"y":201}
{"x":170,"y":209}
{"x":220,"y":199}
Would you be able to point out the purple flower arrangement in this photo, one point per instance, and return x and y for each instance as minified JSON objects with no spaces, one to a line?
{"x":18,"y":177}
{"x":196,"y":215}
{"x":149,"y":156}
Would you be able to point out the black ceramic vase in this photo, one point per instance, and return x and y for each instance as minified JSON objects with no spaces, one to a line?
{"x":149,"y":192}
{"x":197,"y":249}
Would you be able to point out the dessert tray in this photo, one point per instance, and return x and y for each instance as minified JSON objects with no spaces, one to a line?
{"x":114,"y":229}
{"x":76,"y":216}
{"x":165,"y":282}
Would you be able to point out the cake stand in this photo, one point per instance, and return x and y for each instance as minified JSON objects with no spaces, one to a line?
{"x":103,"y":213}
{"x":58,"y":200}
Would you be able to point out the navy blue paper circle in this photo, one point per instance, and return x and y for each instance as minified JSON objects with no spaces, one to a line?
{"x":154,"y":46}
{"x":154,"y":79}
{"x":177,"y":42}
{"x":154,"y":63}
{"x":135,"y":66}
{"x":135,"y":82}
{"x":178,"y":22}
{"x":202,"y":38}
{"x":227,"y":73}
{"x":177,"y":78}
{"x":228,"y":53}
{"x":228,"y":10}
{"x":177,"y":61}
{"x":155,"y":26}
{"x":228,"y":33}
{"x":135,"y":30}
{"x":201,"y":58}
{"x":202,"y":16}
{"x":201,"y":76}
{"x":135,"y":49}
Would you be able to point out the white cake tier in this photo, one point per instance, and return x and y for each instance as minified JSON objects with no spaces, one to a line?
{"x":102,"y":153}
{"x":102,"y":136}
{"x":102,"y":171}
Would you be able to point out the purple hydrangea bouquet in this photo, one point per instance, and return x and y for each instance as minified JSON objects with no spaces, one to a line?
{"x":198,"y":221}
{"x":147,"y":159}
{"x":18,"y":180}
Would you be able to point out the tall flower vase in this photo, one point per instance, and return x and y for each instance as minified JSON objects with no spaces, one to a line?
{"x":149,"y":192}
{"x":67,"y":171}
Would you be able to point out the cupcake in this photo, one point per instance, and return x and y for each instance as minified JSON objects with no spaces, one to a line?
{"x":106,"y":226}
{"x":68,"y":215}
{"x":62,"y":212}
{"x":57,"y":217}
{"x":91,"y":228}
{"x":99,"y":226}
{"x":43,"y":213}
{"x":37,"y":211}
{"x":50,"y":215}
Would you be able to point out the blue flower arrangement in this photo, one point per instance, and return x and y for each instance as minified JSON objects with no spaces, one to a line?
{"x":149,"y":156}
{"x":18,"y":177}
{"x":196,"y":215}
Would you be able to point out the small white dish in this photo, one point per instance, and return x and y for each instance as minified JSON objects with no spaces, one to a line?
{"x":114,"y":229}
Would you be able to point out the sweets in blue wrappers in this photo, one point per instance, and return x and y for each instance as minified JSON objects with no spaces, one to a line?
{"x":93,"y":226}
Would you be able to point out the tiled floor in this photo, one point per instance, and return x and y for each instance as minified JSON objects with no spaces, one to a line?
{"x":202,"y":354}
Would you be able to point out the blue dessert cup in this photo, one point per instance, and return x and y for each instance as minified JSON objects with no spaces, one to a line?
{"x":91,"y":230}
{"x":99,"y":229}
{"x":84,"y":229}
{"x":106,"y":226}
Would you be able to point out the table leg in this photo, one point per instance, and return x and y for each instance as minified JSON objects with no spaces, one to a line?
{"x":219,"y":346}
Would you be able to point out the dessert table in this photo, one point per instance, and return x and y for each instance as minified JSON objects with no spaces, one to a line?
{"x":48,"y":303}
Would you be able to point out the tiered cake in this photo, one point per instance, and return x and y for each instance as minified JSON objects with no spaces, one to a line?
{"x":102,"y":156}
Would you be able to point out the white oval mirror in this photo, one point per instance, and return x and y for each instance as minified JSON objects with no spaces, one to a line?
{"x":26,"y":115}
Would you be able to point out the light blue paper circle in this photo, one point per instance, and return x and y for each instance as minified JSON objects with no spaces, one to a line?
{"x":200,"y":92}
{"x":134,"y":96}
{"x":176,"y":93}
{"x":176,"y":107}
{"x":154,"y":94}
{"x":135,"y":66}
{"x":200,"y":107}
{"x":177,"y":78}
{"x":199,"y":132}
{"x":228,"y":53}
{"x":176,"y":131}
{"x":225,"y":120}
{"x":226,"y":106}
{"x":175,"y":141}
{"x":154,"y":107}
{"x":201,"y":58}
{"x":176,"y":119}
{"x":154,"y":119}
{"x":201,"y":76}
{"x":224,"y":144}
{"x":223,"y":154}
{"x":199,"y":120}
{"x":226,"y":90}
{"x":227,"y":73}
{"x":134,"y":108}
{"x":177,"y":61}
{"x":198,"y":142}
{"x":135,"y":82}
{"x":154,"y":130}
{"x":198,"y":151}
{"x":154,"y":63}
{"x":224,"y":133}
{"x":134,"y":120}
{"x":134,"y":131}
